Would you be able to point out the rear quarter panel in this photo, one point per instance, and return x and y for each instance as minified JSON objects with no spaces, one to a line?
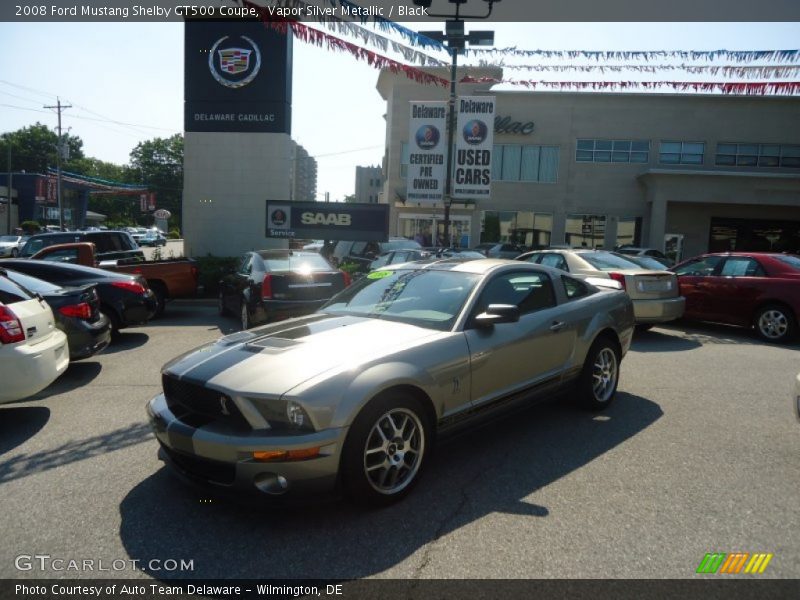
{"x":178,"y":277}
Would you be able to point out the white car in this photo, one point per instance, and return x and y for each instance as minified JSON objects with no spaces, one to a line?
{"x":33,"y":353}
{"x":10,"y":245}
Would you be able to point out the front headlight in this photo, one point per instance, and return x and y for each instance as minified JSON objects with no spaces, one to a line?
{"x":283,"y":415}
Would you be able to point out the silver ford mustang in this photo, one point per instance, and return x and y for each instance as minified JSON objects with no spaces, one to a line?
{"x":351,"y":397}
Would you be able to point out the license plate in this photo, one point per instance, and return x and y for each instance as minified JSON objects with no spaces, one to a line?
{"x":654,"y":286}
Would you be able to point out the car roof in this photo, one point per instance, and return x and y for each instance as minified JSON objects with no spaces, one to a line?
{"x":21,"y":262}
{"x":478,"y":266}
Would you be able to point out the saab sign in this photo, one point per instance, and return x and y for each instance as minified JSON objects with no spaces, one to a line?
{"x":237,"y":77}
{"x":328,"y":221}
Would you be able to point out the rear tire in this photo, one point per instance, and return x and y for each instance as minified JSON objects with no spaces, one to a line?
{"x":245,"y":315}
{"x":386,"y":450}
{"x":775,"y":323}
{"x":113,"y":317}
{"x":161,"y":297}
{"x":598,"y":382}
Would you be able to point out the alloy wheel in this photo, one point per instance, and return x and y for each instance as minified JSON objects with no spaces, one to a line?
{"x":245,"y":316}
{"x":394,"y":450}
{"x":604,"y":375}
{"x":773,"y":324}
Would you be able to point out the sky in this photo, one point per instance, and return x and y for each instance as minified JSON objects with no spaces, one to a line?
{"x":125,"y":80}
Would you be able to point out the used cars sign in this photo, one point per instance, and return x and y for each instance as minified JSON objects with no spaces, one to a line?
{"x":328,"y":221}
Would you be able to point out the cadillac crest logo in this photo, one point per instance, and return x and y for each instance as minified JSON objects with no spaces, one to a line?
{"x":228,"y":64}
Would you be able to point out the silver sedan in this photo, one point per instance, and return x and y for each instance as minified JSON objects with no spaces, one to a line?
{"x":655,"y":293}
{"x":352,"y":397}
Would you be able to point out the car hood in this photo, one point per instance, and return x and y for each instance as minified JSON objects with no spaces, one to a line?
{"x":274,"y":359}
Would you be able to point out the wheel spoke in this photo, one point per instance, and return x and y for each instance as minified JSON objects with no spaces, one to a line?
{"x":393,"y":451}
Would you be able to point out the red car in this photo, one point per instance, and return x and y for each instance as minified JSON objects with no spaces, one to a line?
{"x":750,"y":289}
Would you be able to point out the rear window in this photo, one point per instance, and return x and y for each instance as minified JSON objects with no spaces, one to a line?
{"x":302,"y":263}
{"x":792,"y":261}
{"x":32,"y":283}
{"x":605,"y":261}
{"x":10,"y":292}
{"x":648,"y":262}
{"x":400,"y":244}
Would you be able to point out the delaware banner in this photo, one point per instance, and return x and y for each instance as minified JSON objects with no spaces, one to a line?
{"x":474,"y":135}
{"x":426,"y":152}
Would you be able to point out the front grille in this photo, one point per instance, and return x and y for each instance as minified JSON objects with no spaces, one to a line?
{"x":197,"y":405}
{"x":203,"y":468}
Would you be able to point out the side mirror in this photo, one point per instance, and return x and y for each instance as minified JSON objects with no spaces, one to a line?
{"x":498,"y":313}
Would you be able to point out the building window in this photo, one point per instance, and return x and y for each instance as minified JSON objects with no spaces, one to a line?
{"x":758,"y":155}
{"x":528,"y":229}
{"x":618,"y":151}
{"x":513,"y":162}
{"x":629,"y":231}
{"x":681,"y":153}
{"x":585,"y":231}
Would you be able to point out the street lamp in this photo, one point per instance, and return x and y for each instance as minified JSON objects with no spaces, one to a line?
{"x":457,"y":41}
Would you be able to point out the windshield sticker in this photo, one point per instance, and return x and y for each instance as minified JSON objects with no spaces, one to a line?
{"x":379,"y":274}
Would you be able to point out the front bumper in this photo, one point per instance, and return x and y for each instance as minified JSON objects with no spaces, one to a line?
{"x":660,"y":310}
{"x":223,"y":459}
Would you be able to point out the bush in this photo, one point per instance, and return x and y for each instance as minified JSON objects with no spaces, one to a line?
{"x":30,"y":227}
{"x":213,"y":268}
{"x":174,"y":234}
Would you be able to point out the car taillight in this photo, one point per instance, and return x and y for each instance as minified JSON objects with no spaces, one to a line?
{"x":266,"y":287}
{"x":130,"y":286}
{"x":618,"y":277}
{"x":347,"y":279}
{"x":78,"y":311}
{"x":10,"y":327}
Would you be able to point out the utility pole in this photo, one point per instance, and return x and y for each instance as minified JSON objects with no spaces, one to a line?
{"x":59,"y":151}
{"x":9,"y":188}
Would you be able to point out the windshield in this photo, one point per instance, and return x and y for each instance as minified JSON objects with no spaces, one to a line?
{"x":605,"y":261}
{"x":792,"y":261}
{"x":9,"y":238}
{"x":427,"y":298}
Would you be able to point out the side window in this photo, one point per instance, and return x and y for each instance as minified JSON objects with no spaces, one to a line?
{"x":534,"y":258}
{"x":399,"y":257}
{"x":740,"y":266}
{"x":68,"y":255}
{"x":10,"y":292}
{"x":699,"y":267}
{"x":52,"y":274}
{"x":341,"y":250}
{"x":554,"y":260}
{"x":529,"y":291}
{"x":246,"y":264}
{"x":574,"y":288}
{"x":103,"y":243}
{"x":358,"y":248}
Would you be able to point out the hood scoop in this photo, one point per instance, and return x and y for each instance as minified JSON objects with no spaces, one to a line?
{"x":272,"y":343}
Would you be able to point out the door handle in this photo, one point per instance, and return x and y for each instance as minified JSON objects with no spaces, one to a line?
{"x":558,"y":325}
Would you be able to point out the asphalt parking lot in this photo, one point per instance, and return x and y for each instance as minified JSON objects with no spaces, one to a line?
{"x":700,"y":453}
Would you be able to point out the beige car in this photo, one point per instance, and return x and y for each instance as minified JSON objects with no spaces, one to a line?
{"x":655,"y":294}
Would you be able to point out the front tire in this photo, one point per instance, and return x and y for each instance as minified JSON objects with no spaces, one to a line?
{"x":775,"y":323}
{"x":386,"y":449}
{"x":597,"y":387}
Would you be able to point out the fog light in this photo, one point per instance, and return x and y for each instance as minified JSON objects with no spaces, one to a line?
{"x":295,"y":414}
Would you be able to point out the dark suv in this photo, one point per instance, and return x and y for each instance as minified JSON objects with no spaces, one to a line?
{"x":364,"y":253}
{"x":110,"y":245}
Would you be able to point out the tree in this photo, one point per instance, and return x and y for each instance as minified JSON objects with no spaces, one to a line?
{"x":350,"y":198}
{"x":159,"y":164}
{"x":33,"y":149}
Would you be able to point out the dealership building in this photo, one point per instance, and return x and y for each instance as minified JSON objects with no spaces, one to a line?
{"x":688,"y":173}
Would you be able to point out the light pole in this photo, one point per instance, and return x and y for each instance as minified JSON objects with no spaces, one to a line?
{"x":456,"y":42}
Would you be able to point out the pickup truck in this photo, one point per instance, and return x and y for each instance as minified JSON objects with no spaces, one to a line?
{"x":169,"y":279}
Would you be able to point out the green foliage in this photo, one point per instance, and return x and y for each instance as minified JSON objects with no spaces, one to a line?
{"x":33,"y":149}
{"x":174,"y":234}
{"x":353,"y":267}
{"x":30,"y":227}
{"x":213,"y":268}
{"x":159,"y":164}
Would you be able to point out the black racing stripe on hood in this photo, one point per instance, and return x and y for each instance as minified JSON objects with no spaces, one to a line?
{"x":214,"y":365}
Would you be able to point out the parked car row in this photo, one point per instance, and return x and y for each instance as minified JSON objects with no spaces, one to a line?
{"x":54,"y":313}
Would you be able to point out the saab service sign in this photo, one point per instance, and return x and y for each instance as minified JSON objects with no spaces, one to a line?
{"x":426,"y":158}
{"x":237,"y":77}
{"x":472,"y":176}
{"x":361,"y":222}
